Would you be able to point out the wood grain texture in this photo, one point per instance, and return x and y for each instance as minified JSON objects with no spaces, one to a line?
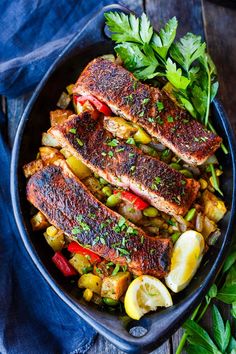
{"x":220,"y":30}
{"x":188,"y":13}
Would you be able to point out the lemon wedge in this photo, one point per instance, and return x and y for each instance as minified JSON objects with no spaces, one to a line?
{"x":186,"y":257}
{"x":145,"y":294}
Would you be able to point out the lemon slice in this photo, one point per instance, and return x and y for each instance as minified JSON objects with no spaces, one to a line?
{"x":186,"y":257}
{"x":145,"y":294}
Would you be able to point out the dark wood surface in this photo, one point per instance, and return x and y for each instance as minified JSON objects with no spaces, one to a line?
{"x":218,"y":25}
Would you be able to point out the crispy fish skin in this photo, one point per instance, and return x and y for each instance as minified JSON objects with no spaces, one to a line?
{"x":69,"y":205}
{"x":125,"y":165}
{"x":137,"y":102}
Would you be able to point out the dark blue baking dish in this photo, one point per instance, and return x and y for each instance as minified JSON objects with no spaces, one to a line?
{"x":90,"y":42}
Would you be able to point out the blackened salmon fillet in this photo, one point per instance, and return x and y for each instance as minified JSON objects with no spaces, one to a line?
{"x":149,"y":107}
{"x":125,"y":165}
{"x":70,"y":206}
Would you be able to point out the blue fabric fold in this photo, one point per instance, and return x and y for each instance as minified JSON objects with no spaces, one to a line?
{"x":33,"y":33}
{"x":33,"y":319}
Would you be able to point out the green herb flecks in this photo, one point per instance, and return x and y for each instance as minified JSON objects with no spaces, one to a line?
{"x":80,"y":142}
{"x":113,"y":143}
{"x":72,"y":130}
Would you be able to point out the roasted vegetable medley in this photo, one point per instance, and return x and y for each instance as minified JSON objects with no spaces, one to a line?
{"x":102,"y":281}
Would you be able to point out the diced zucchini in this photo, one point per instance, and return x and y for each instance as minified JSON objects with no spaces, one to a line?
{"x":59,"y":116}
{"x":64,"y":100}
{"x":49,"y":155}
{"x":78,"y":167}
{"x":141,"y":136}
{"x":49,"y":140}
{"x":55,"y":238}
{"x":66,"y":153}
{"x":90,"y":281}
{"x":80,"y":263}
{"x":119,"y":127}
{"x":214,"y":208}
{"x":39,"y":222}
{"x":114,"y":286}
{"x":32,"y":167}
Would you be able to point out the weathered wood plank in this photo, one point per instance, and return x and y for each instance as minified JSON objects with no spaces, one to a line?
{"x":220,"y":28}
{"x":188,"y":13}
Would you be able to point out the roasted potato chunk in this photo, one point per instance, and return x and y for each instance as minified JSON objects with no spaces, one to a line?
{"x":39,"y":222}
{"x":214,"y":208}
{"x":90,"y":281}
{"x":114,"y":286}
{"x":49,"y":155}
{"x":32,"y":167}
{"x":49,"y":140}
{"x":80,"y":263}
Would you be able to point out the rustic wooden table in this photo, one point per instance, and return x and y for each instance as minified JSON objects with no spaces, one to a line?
{"x":218,"y":25}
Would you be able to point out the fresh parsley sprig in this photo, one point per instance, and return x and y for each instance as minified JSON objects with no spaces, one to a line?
{"x":184,"y":63}
{"x":199,"y":341}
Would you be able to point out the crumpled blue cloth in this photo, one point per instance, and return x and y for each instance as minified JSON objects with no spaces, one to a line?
{"x":32,"y":35}
{"x":33,"y":320}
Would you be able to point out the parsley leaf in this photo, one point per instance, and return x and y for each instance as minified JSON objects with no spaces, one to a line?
{"x":162,"y":42}
{"x":129,"y":28}
{"x":175,"y":76}
{"x":187,"y":50}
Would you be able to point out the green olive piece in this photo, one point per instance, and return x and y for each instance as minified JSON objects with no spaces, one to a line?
{"x":102,"y":181}
{"x":107,"y":191}
{"x":175,"y":166}
{"x":113,"y":200}
{"x":151,"y":212}
{"x":186,"y":173}
{"x":110,"y":302}
{"x":175,"y":236}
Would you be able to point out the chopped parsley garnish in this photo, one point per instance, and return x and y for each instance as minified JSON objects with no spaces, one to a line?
{"x":175,"y":199}
{"x":135,"y":84}
{"x":142,"y":239}
{"x":183,"y":182}
{"x":123,"y":251}
{"x":104,"y":153}
{"x":72,"y":130}
{"x":124,"y":268}
{"x":152,"y":251}
{"x":141,"y":114}
{"x":156,"y":182}
{"x":170,"y":119}
{"x":122,"y":221}
{"x":120,"y":149}
{"x":131,"y":154}
{"x":196,"y":139}
{"x":113,"y":143}
{"x":160,"y":106}
{"x":151,"y":120}
{"x":145,"y":100}
{"x":129,"y":98}
{"x":131,"y":231}
{"x":80,"y":142}
{"x":116,"y":269}
{"x":159,"y":120}
{"x":110,"y":153}
{"x":130,"y":141}
{"x":165,"y":153}
{"x":132,"y":168}
{"x":75,"y":231}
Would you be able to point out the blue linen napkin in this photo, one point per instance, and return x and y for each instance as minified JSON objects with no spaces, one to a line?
{"x":33,"y":320}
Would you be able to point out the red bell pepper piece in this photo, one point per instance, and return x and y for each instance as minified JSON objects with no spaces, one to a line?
{"x":63,"y":264}
{"x":100,"y":106}
{"x":74,"y":247}
{"x":137,"y":202}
